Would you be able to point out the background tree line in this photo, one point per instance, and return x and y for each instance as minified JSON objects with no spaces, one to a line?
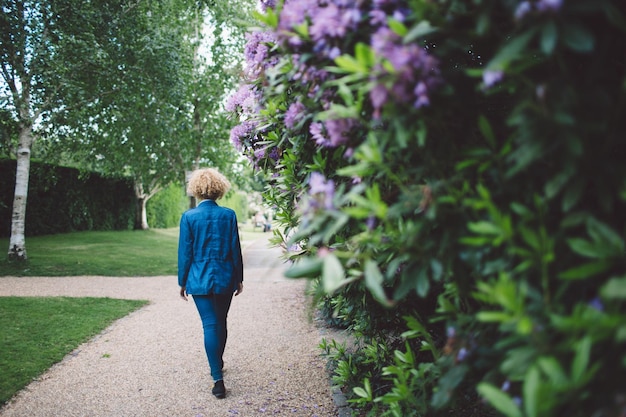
{"x":121,"y":88}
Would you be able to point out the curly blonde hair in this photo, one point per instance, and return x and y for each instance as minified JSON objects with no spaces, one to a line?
{"x":208,"y":184}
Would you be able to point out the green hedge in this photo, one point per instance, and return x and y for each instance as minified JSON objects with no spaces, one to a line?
{"x":166,"y":207}
{"x":62,"y":200}
{"x":453,"y":175}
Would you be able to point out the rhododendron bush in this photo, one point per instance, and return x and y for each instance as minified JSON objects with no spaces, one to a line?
{"x":453,"y":175}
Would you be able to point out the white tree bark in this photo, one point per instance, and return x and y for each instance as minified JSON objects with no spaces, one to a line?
{"x":141,"y":215}
{"x":17,"y":243}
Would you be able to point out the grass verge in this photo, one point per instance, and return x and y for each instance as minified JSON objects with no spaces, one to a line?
{"x":38,"y":332}
{"x":124,"y":253}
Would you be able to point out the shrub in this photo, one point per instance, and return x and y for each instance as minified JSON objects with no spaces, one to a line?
{"x":238,"y":201}
{"x":452,"y":172}
{"x":165,"y":208}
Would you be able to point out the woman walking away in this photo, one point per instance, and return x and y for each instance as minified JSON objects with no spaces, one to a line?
{"x":210,"y":266}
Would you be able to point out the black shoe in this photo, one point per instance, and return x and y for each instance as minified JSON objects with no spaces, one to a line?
{"x":219,"y":390}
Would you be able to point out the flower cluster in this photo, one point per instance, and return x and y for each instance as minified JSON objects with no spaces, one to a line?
{"x":328,"y":24}
{"x":245,"y":99}
{"x":321,"y":191}
{"x":415,"y":72}
{"x":257,"y":53}
{"x":334,"y":132}
{"x":540,"y":6}
{"x":309,"y":35}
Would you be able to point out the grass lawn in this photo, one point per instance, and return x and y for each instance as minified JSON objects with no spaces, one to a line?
{"x":39,"y":332}
{"x":125,"y":253}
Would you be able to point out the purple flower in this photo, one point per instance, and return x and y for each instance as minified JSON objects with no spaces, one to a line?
{"x":491,"y":77}
{"x":332,"y":133}
{"x":549,"y":5}
{"x":371,"y":222}
{"x":241,"y":131}
{"x":450,"y":332}
{"x":267,"y":4}
{"x":461,"y":355}
{"x":506,"y":385}
{"x":522,"y":10}
{"x":245,"y":99}
{"x":596,"y":304}
{"x":294,"y":114}
{"x":339,"y":131}
{"x":378,"y":97}
{"x":422,"y":97}
{"x":316,"y":129}
{"x":256,"y":52}
{"x":333,"y":21}
{"x":541,"y":6}
{"x":259,"y":153}
{"x":274,"y":154}
{"x":322,"y":191}
{"x":378,"y":17}
{"x":415,"y":73}
{"x":294,"y":13}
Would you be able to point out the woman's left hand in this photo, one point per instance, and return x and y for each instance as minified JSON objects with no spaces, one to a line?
{"x":183,"y":293}
{"x":239,"y":289}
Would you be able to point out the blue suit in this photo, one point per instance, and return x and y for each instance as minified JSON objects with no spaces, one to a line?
{"x":209,"y":251}
{"x":210,"y":267}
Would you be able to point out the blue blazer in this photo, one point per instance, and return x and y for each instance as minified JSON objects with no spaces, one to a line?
{"x":209,"y":250}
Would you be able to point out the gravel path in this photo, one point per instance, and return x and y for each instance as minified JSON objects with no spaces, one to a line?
{"x":152,"y":362}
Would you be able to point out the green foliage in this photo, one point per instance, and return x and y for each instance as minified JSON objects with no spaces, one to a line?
{"x":237,"y":201}
{"x":488,"y":222}
{"x":165,"y":208}
{"x":39,"y":332}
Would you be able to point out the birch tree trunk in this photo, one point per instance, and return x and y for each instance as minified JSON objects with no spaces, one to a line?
{"x":17,"y":243}
{"x":142,"y":197}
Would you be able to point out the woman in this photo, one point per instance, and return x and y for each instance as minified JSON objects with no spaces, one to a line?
{"x":210,"y":266}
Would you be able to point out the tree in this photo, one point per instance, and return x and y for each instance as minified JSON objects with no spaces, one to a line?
{"x":31,"y":70}
{"x":158,"y":111}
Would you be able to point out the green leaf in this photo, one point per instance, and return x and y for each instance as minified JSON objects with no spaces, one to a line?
{"x":396,"y":26}
{"x":602,"y":233}
{"x":614,"y":288}
{"x":578,"y":38}
{"x":549,"y":37}
{"x":423,"y":284}
{"x":437,"y":269}
{"x":365,"y":54}
{"x":552,"y":368}
{"x":486,"y":130}
{"x":498,"y":399}
{"x":493,"y":316}
{"x":360,"y":392}
{"x":588,"y":249}
{"x":532,"y":387}
{"x":484,"y":228}
{"x":305,"y":268}
{"x":418,"y":31}
{"x":586,"y":270}
{"x":556,"y":183}
{"x":333,"y":273}
{"x":374,"y":281}
{"x":530,"y":237}
{"x":511,"y":51}
{"x":475,"y":241}
{"x":350,"y":64}
{"x":581,"y":360}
